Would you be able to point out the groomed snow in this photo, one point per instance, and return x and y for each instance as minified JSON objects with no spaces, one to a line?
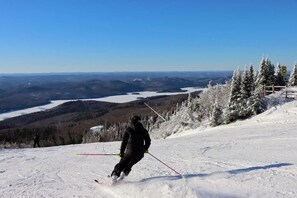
{"x":251,"y":158}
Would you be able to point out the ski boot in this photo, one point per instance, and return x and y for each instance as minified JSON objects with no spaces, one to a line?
{"x":122,"y":176}
{"x":114,"y":177}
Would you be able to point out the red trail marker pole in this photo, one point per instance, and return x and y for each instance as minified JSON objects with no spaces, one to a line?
{"x":98,"y":154}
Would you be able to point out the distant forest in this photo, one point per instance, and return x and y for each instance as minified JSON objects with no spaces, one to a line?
{"x":70,"y":122}
{"x":24,"y":91}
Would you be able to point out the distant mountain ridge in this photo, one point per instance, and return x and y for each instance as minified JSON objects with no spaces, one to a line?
{"x":19,"y":92}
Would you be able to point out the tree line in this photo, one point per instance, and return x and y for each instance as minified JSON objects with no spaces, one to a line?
{"x":239,"y":98}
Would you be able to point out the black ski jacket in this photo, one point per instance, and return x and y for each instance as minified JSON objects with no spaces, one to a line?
{"x":136,"y":140}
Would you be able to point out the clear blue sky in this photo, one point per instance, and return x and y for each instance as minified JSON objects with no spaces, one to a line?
{"x":145,"y":35}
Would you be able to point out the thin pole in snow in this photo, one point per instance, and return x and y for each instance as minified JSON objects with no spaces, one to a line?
{"x":166,"y":165}
{"x":155,"y":111}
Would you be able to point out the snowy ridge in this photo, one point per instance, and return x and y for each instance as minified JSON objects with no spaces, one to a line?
{"x":252,"y":158}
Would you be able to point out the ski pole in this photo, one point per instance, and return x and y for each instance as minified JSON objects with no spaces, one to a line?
{"x":166,"y":165}
{"x":97,"y":154}
{"x":155,"y":111}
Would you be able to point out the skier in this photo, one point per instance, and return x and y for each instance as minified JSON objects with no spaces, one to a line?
{"x":135,"y":143}
{"x":36,"y":140}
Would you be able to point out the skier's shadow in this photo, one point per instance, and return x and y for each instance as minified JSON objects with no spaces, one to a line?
{"x":230,"y":172}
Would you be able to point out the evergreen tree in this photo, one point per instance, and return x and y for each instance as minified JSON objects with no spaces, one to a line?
{"x":266,"y":73}
{"x":249,"y":102}
{"x":265,"y":77}
{"x":293,"y":76}
{"x":252,"y":76}
{"x":256,"y":103}
{"x":234,"y":98}
{"x":192,"y":106}
{"x":270,"y":73}
{"x":247,"y":85}
{"x":216,"y":117}
{"x":279,"y":79}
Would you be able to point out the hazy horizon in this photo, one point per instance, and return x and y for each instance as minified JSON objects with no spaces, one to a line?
{"x":110,"y":72}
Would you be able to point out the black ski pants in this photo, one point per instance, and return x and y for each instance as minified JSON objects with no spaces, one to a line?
{"x":36,"y":143}
{"x":126,"y":164}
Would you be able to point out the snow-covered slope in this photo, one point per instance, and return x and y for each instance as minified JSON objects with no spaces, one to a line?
{"x":251,"y":158}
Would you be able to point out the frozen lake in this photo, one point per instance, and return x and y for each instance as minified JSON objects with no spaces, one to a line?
{"x":115,"y":99}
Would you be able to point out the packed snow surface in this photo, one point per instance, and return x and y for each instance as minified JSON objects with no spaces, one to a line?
{"x":252,"y":158}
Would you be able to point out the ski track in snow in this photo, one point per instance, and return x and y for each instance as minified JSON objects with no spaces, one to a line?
{"x":252,"y":158}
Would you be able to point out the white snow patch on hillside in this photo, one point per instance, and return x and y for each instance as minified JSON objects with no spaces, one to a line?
{"x":97,"y":129}
{"x":252,"y":158}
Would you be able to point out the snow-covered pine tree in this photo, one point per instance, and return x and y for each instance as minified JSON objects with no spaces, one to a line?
{"x":271,"y":70}
{"x":252,"y":76}
{"x":265,"y":77}
{"x":245,"y":93}
{"x":279,"y":79}
{"x":233,"y":108}
{"x":256,"y":101}
{"x":150,"y":123}
{"x":249,"y":102}
{"x":293,"y":76}
{"x":206,"y":102}
{"x":208,"y":98}
{"x":266,"y":72}
{"x":184,"y":117}
{"x":193,"y":107}
{"x":216,"y":117}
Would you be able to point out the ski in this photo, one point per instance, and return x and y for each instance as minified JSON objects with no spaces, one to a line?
{"x":112,"y":183}
{"x":116,"y":180}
